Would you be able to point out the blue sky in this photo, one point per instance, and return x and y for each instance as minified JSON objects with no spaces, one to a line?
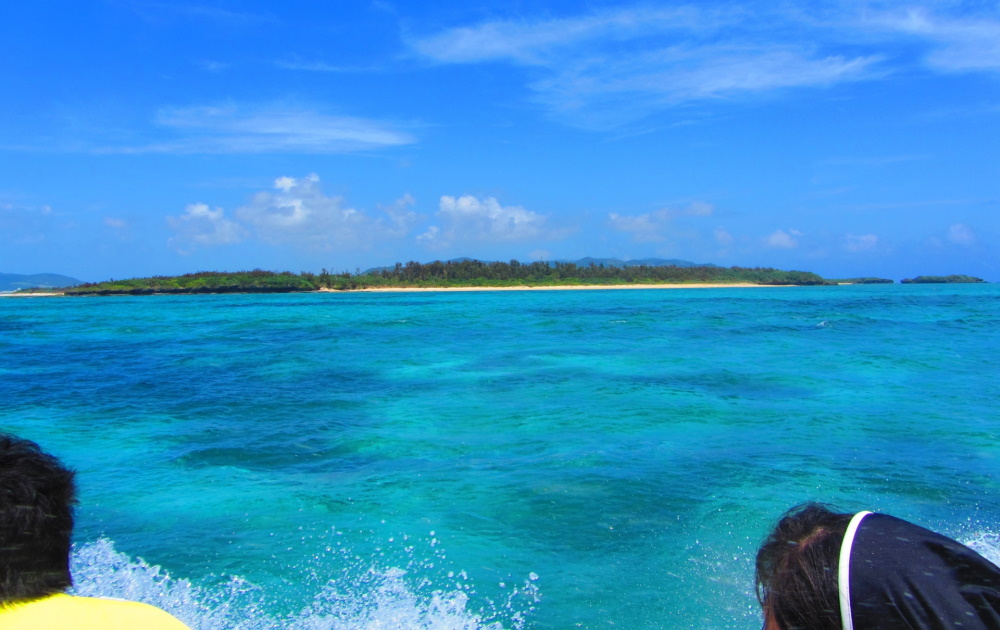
{"x":142,"y":137}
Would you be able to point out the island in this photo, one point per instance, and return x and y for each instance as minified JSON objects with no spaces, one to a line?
{"x":10,"y":282}
{"x":465,"y":273}
{"x":468,"y":274}
{"x":952,"y":279}
{"x":866,"y":280}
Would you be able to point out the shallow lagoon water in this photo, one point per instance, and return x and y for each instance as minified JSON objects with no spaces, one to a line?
{"x":565,"y":459}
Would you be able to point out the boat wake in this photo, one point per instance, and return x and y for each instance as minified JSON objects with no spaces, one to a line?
{"x":365,"y":596}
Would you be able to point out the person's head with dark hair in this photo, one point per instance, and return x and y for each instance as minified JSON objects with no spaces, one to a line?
{"x":37,"y":496}
{"x":823,"y":570}
{"x":797,"y":569}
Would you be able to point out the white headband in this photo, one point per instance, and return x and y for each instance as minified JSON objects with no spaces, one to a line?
{"x":844,"y":570}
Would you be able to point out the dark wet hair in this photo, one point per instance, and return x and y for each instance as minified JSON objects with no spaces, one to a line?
{"x":37,"y":496}
{"x":797,"y":568}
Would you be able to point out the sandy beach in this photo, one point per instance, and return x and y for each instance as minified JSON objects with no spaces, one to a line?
{"x":570,"y":287}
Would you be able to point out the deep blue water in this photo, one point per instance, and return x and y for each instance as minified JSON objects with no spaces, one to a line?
{"x":563,"y":459}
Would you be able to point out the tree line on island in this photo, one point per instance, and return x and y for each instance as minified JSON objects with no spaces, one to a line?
{"x":471,"y":273}
{"x":952,"y":279}
{"x":438,"y":274}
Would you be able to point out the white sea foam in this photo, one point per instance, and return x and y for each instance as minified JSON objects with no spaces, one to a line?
{"x":986,"y":544}
{"x":361,"y":599}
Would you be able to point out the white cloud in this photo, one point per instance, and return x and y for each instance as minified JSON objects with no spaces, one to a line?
{"x":605,"y":68}
{"x":296,"y":213}
{"x":651,"y":227}
{"x":158,"y":9}
{"x":278,"y":129}
{"x":961,"y":234}
{"x":958,"y":44}
{"x":214,"y":66}
{"x":300,"y":213}
{"x":644,"y":228}
{"x":723,"y":238}
{"x":470,"y":218}
{"x":295,"y":63}
{"x":43,"y":210}
{"x":601,"y":91}
{"x":117,"y":224}
{"x":699,"y":209}
{"x":534,"y":42}
{"x":780,"y":239}
{"x":401,"y":217}
{"x":285,"y":183}
{"x":22,"y":224}
{"x":860,"y":242}
{"x":431,"y":237}
{"x":200,"y":226}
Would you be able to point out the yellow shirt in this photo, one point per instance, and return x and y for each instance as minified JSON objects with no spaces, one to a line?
{"x":63,"y":612}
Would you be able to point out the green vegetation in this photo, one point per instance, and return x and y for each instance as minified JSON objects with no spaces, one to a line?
{"x":464,"y":273}
{"x":255,"y":281}
{"x":942,"y":279}
{"x":500,"y":274}
{"x":471,"y":273}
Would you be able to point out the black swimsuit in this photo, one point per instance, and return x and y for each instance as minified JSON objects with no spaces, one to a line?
{"x":904,"y":577}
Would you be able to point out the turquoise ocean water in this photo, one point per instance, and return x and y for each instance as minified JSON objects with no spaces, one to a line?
{"x":549,"y":460}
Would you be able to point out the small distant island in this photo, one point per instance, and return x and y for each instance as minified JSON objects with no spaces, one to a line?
{"x":451,"y":274}
{"x":18,"y":282}
{"x":866,"y":280}
{"x":953,"y":279}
